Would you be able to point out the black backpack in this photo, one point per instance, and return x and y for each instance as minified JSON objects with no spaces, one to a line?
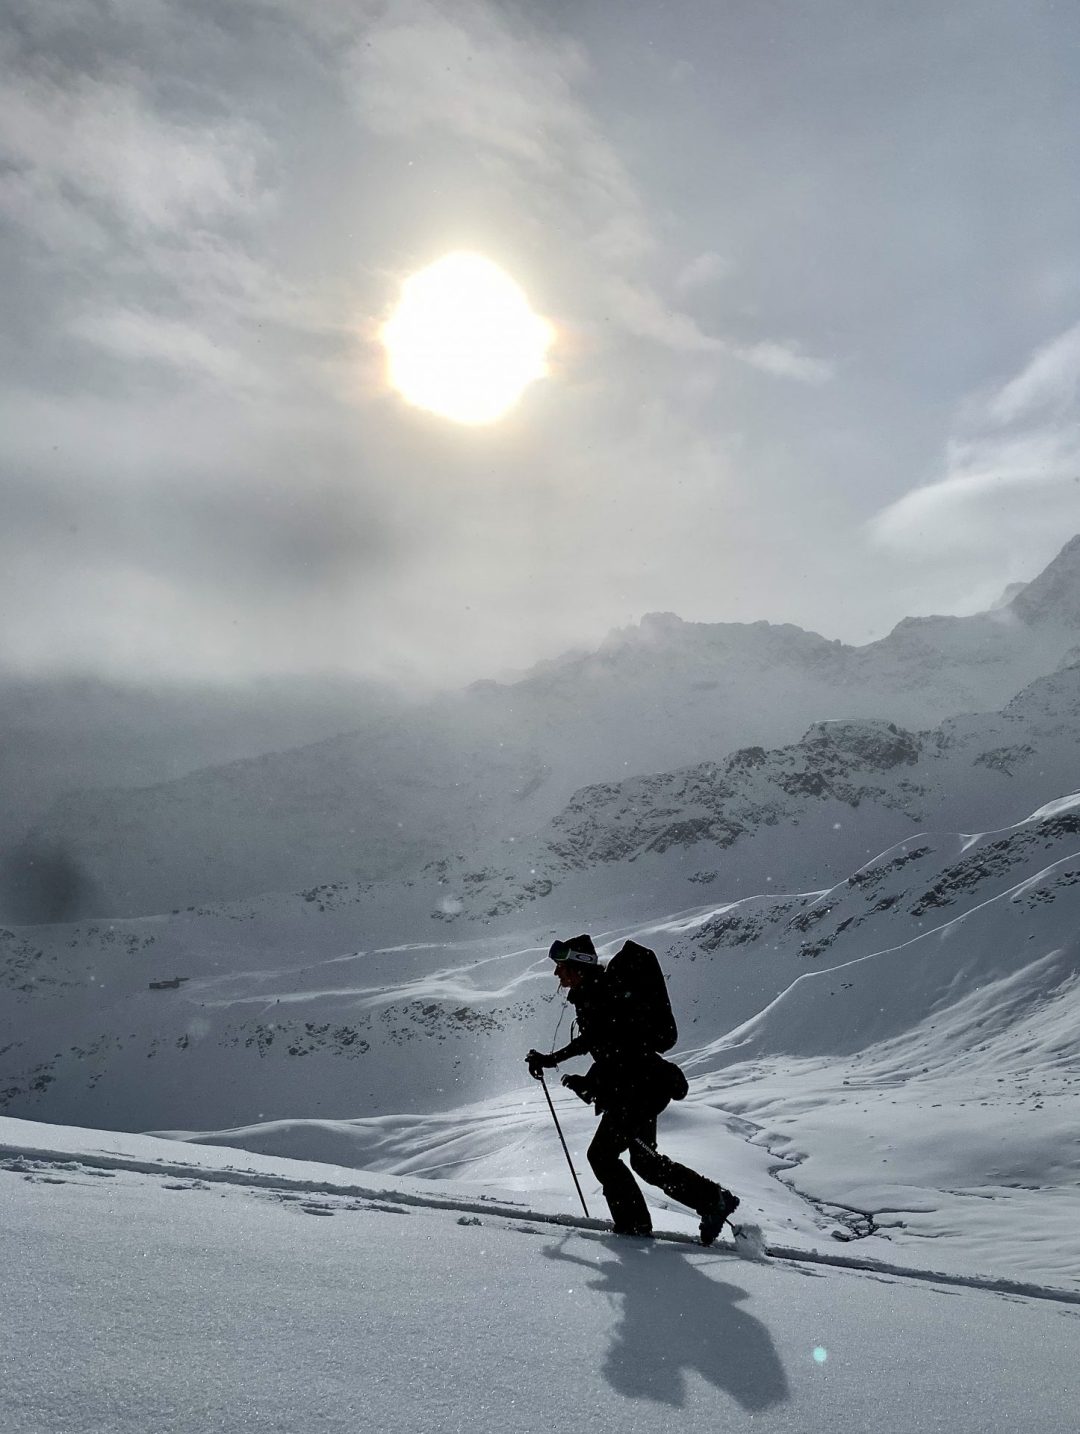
{"x":634,"y":976}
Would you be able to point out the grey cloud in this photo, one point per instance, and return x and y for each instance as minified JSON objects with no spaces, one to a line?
{"x":304,"y":523}
{"x":1012,"y":469}
{"x":210,"y":207}
{"x":513,"y":91}
{"x":142,"y":199}
{"x":79,"y":140}
{"x":33,"y":202}
{"x":703,"y":269}
{"x":643,"y":313}
{"x":137,"y":335}
{"x":502,"y":85}
{"x":1048,"y":383}
{"x":786,"y":360}
{"x":223,"y":577}
{"x":466,"y":67}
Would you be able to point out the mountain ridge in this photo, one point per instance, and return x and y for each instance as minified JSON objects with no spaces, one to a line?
{"x":496,"y":762}
{"x":986,"y":768}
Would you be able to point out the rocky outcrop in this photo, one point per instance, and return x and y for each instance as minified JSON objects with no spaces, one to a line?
{"x":994,"y":768}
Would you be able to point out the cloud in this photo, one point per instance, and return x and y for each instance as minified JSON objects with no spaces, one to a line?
{"x":34,"y":203}
{"x":132,"y":177}
{"x":138,"y":193}
{"x":184,"y":539}
{"x":981,"y":512}
{"x":1012,"y":471}
{"x":512,"y":92}
{"x":786,"y":360}
{"x":641,"y":311}
{"x":1048,"y":383}
{"x":509,"y":90}
{"x":201,"y":465}
{"x":137,"y":336}
{"x":703,"y":270}
{"x":468,"y":69}
{"x":78,"y":141}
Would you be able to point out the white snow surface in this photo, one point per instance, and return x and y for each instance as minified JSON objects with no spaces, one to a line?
{"x":890,"y":1063}
{"x":184,"y":1290}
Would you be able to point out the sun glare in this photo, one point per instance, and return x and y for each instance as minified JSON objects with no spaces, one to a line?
{"x":463,"y":342}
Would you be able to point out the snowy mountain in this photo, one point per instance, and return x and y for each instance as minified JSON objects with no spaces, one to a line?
{"x":498,"y":760}
{"x":796,"y":815}
{"x":1052,"y":600}
{"x":921,"y":1083}
{"x":943,"y":973}
{"x":350,"y":975}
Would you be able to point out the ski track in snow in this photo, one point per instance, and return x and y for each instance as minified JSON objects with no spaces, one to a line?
{"x":30,"y":1161}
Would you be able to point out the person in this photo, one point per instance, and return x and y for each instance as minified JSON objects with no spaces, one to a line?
{"x":630,"y":1084}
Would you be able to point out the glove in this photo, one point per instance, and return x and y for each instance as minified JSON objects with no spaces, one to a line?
{"x":537,"y":1062}
{"x":579,"y":1085}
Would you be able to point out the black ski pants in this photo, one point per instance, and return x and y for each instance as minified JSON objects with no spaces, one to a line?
{"x":627,"y":1130}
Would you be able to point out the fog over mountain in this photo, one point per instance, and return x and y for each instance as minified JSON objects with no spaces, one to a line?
{"x":790,"y":816}
{"x":80,"y":733}
{"x":472,"y":769}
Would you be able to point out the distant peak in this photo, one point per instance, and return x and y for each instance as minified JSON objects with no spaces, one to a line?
{"x":654,"y":627}
{"x":1053,"y":598}
{"x":1012,"y":591}
{"x":661,"y":622}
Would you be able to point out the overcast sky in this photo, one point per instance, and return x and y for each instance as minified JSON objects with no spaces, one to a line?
{"x":814,"y":270}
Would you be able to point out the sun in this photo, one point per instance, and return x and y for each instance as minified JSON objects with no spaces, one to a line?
{"x":463,"y":341}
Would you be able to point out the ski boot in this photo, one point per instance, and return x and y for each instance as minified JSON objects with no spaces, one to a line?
{"x":714,"y":1218}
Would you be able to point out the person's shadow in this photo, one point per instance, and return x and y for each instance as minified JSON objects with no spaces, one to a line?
{"x":675,"y":1318}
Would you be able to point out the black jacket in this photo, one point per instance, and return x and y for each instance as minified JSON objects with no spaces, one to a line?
{"x":627,"y":1074}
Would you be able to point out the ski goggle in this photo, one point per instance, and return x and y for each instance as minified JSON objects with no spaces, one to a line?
{"x":563,"y":954}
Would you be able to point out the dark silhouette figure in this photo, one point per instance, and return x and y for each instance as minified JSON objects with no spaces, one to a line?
{"x":629,"y":1083}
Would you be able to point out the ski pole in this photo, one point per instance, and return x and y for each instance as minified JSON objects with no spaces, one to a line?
{"x":566,"y":1152}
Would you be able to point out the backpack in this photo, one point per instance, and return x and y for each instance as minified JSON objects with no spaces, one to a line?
{"x":634,"y":976}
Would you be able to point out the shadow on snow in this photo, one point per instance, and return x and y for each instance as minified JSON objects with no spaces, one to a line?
{"x":675,"y":1318}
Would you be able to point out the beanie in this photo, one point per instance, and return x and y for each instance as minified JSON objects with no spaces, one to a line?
{"x":578,"y":949}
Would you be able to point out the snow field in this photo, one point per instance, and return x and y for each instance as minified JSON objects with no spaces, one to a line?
{"x":150,"y":1301}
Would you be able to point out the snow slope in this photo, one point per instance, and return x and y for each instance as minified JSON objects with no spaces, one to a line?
{"x":172,"y":1299}
{"x":946,"y":968}
{"x":928,"y":1090}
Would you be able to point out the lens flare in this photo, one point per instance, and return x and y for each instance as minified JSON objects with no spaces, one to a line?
{"x":463,"y":341}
